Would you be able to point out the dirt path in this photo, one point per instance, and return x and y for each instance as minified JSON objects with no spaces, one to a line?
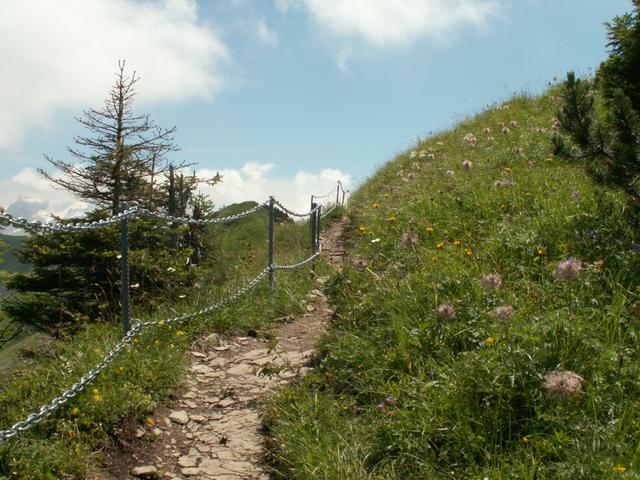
{"x":214,"y":429}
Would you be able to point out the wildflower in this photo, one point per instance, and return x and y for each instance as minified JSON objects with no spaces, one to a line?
{"x":362,"y":229}
{"x":619,"y":469}
{"x":504,"y":183}
{"x":376,"y":205}
{"x":431,"y":156}
{"x":413,"y":154}
{"x":381,"y":406}
{"x":180,"y":333}
{"x":471,"y":139}
{"x":415,"y":166}
{"x":490,"y":341}
{"x":440,"y":245}
{"x":446,"y":311}
{"x":182,"y":296}
{"x":375,"y":240}
{"x":468,"y":252}
{"x":96,"y":395}
{"x":506,"y":130}
{"x":456,"y":243}
{"x":434,"y":259}
{"x":429,"y":229}
{"x":386,"y":195}
{"x":171,"y":269}
{"x":467,"y":165}
{"x":486,"y":131}
{"x":492,"y":281}
{"x":450,"y":173}
{"x":513,"y":124}
{"x":519,"y":151}
{"x":390,"y":400}
{"x":360,"y":263}
{"x":540,"y":250}
{"x":568,"y":269}
{"x":75,"y":411}
{"x":525,"y":440}
{"x":563,"y":384}
{"x":150,"y":421}
{"x":503,"y":313}
{"x":409,"y":239}
{"x":576,"y":194}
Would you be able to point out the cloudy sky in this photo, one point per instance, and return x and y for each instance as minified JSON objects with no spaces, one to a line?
{"x":281,"y":97}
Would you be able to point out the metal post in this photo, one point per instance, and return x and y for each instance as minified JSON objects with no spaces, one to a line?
{"x":337,"y":192}
{"x":124,"y":270}
{"x":318,"y":218}
{"x":271,"y":239}
{"x":313,"y":223}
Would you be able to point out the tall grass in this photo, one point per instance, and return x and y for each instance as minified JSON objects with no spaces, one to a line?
{"x":402,"y":392}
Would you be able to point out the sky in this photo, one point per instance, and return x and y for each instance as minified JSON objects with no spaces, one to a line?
{"x":282,"y":97}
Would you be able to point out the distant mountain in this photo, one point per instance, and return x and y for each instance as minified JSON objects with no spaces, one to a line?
{"x":10,"y":261}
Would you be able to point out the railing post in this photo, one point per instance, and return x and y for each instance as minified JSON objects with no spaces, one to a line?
{"x":318,"y":218}
{"x":313,"y":223}
{"x":337,"y":193}
{"x":271,"y":239}
{"x":124,"y":269}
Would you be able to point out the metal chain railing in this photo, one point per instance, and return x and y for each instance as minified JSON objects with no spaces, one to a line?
{"x":46,"y":410}
{"x":292,"y":213}
{"x":136,"y":330}
{"x":7,"y":219}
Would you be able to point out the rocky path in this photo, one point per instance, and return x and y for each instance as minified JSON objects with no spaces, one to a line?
{"x":214,"y":429}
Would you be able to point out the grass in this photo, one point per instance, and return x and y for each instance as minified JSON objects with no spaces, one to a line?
{"x":403,"y":393}
{"x":147,"y":373}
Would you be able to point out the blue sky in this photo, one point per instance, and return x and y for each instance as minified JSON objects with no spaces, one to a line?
{"x":281,"y":96}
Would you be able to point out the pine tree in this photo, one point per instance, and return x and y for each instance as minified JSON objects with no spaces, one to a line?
{"x":603,"y":129}
{"x":122,"y":157}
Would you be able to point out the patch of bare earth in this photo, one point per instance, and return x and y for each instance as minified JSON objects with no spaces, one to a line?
{"x":214,"y":429}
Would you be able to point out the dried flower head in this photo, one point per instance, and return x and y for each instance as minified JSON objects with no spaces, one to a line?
{"x":446,"y":311}
{"x":513,"y":124}
{"x":450,"y":173}
{"x":568,"y":269}
{"x":471,"y":139}
{"x":492,"y":281}
{"x":431,"y":156}
{"x":360,"y":263}
{"x":563,"y":384}
{"x":467,"y":164}
{"x":409,"y":239}
{"x":504,"y":183}
{"x":504,"y":312}
{"x":486,"y":131}
{"x":575,"y":194}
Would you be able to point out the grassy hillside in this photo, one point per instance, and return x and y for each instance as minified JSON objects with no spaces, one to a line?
{"x":487,"y":325}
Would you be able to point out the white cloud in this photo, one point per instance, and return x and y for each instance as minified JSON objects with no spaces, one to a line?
{"x":264,"y":34}
{"x":254,"y":181}
{"x":28,"y":195}
{"x":62,"y":55}
{"x":392,"y":23}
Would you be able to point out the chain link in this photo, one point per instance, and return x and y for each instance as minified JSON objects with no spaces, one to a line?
{"x":192,"y":221}
{"x":291,"y":212}
{"x":7,"y":219}
{"x":46,"y":410}
{"x":299,"y":264}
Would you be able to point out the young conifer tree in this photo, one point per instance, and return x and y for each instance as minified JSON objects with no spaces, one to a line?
{"x":122,"y":156}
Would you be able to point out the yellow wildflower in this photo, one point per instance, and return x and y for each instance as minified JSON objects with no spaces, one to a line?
{"x":542,"y":251}
{"x":490,"y":341}
{"x":75,"y":411}
{"x":362,"y":229}
{"x":376,"y":205}
{"x":429,"y":229}
{"x":150,"y":421}
{"x":386,"y":195}
{"x":391,"y":219}
{"x":440,"y":245}
{"x":456,"y":243}
{"x":434,"y":259}
{"x":525,"y":440}
{"x":619,"y":469}
{"x":468,"y":252}
{"x":180,"y":333}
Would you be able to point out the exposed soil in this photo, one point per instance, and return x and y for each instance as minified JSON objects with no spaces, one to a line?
{"x":214,"y":429}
